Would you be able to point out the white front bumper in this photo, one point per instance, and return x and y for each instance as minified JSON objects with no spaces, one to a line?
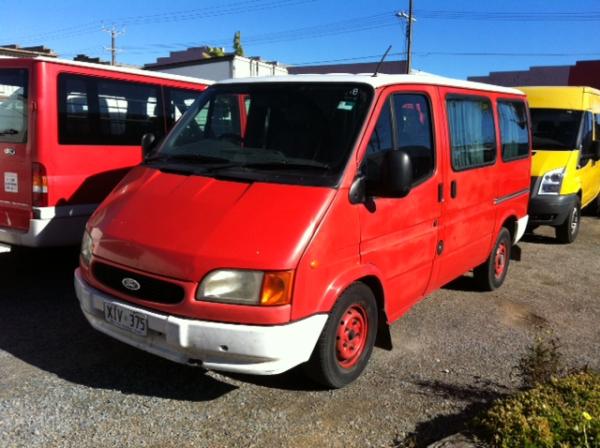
{"x":261,"y":350}
{"x":521,"y":227}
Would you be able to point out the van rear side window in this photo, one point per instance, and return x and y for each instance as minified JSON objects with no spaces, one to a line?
{"x":472,"y":132}
{"x":13,"y":105}
{"x":514,"y":132}
{"x":96,"y":111}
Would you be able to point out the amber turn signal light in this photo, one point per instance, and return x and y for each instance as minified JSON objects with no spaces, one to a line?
{"x":277,"y":288}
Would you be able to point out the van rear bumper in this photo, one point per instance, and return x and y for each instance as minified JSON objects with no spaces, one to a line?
{"x":551,"y":210}
{"x":51,"y":226}
{"x":254,"y":349}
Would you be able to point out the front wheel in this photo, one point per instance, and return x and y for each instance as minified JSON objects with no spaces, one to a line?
{"x":491,"y":274}
{"x":346,"y":342}
{"x":568,"y":230}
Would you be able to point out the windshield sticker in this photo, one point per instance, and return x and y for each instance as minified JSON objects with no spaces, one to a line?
{"x":346,"y":105}
{"x":11,"y":182}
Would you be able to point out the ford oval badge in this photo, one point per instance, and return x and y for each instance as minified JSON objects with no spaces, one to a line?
{"x":131,"y":284}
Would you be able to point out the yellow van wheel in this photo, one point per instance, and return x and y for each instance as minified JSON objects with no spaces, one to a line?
{"x":567,"y":232}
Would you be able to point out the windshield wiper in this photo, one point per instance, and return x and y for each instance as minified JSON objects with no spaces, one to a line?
{"x":275,"y":165}
{"x":196,"y":158}
{"x":9,"y":132}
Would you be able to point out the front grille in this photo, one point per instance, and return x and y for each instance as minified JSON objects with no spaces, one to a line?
{"x":150,"y":288}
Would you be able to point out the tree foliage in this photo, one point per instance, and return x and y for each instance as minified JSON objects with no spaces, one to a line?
{"x":237,"y":44}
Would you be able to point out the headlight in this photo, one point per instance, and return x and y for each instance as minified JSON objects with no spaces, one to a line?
{"x":87,"y":246}
{"x":246,"y":287}
{"x":552,"y":182}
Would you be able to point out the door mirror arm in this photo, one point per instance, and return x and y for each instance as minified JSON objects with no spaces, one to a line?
{"x":358,"y":190}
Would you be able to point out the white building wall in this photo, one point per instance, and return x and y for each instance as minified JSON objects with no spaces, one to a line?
{"x":215,"y":71}
{"x":239,"y":67}
{"x":248,"y":68}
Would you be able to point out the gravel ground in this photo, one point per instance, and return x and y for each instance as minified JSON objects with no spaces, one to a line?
{"x":63,"y":384}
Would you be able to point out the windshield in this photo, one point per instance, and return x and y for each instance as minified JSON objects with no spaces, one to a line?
{"x":555,"y":129}
{"x":279,"y":132}
{"x":13,"y":105}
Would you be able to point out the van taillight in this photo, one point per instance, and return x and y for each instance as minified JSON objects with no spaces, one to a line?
{"x":39,"y":185}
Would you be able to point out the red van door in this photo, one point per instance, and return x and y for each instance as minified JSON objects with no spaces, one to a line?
{"x":467,"y":224}
{"x":399,"y":235}
{"x":15,"y":166}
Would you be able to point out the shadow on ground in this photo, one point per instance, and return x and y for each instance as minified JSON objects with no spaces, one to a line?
{"x":43,"y":326}
{"x":539,"y":239}
{"x":465,"y":283}
{"x":480,"y":396}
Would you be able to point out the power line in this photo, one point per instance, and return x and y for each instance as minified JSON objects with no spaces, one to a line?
{"x":373,"y":57}
{"x":240,"y":7}
{"x":258,"y":5}
{"x":533,"y":16}
{"x":323,"y":30}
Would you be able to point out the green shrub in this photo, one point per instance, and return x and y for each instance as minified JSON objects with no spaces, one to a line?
{"x":563,"y":412}
{"x":541,"y":362}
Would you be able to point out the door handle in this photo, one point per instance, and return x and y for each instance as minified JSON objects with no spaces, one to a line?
{"x":453,"y":188}
{"x":440,"y":192}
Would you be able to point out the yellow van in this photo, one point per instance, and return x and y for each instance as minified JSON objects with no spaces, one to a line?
{"x":565,"y":169}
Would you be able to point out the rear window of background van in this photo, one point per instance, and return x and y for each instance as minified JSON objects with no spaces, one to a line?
{"x":13,"y":105}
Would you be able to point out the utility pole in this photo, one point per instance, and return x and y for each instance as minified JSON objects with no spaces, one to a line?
{"x":113,"y":42}
{"x":409,"y":20}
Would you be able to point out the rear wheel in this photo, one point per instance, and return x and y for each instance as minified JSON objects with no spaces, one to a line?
{"x":345,"y":345}
{"x":567,"y":232}
{"x":594,"y":207}
{"x":491,"y":274}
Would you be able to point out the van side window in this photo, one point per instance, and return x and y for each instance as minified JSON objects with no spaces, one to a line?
{"x":412,"y":119}
{"x":586,"y":138}
{"x":178,"y":102}
{"x":381,"y":139}
{"x":514,"y":132}
{"x":472,"y":134}
{"x":413,"y":124}
{"x":105,"y":112}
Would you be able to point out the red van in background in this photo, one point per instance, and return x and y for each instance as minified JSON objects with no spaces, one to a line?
{"x":290,"y":220}
{"x":69,"y":131}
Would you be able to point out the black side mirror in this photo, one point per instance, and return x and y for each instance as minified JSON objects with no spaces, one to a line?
{"x":397,"y":174}
{"x":148,"y":144}
{"x":388,"y":174}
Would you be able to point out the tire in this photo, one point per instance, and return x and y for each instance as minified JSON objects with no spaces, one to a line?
{"x":567,"y":232}
{"x":491,"y":274}
{"x":346,"y":342}
{"x":594,"y":207}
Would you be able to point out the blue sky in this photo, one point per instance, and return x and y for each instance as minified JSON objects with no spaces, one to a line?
{"x":452,"y":38}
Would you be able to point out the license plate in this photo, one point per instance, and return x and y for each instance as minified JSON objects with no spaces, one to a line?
{"x":123,"y":318}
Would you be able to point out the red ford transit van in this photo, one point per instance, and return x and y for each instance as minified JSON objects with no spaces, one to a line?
{"x":290,"y":220}
{"x":69,"y":131}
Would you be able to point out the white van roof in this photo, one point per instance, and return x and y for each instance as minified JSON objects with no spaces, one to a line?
{"x":113,"y":68}
{"x":378,"y":81}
